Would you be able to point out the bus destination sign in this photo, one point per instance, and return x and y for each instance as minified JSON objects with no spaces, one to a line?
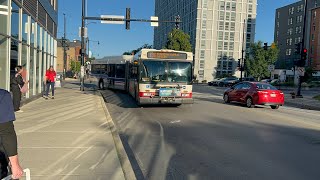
{"x":167,"y":55}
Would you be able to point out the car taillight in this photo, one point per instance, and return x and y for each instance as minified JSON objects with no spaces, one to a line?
{"x":281,"y":93}
{"x":186,"y":95}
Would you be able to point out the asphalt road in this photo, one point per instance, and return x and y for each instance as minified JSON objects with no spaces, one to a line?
{"x":213,"y":140}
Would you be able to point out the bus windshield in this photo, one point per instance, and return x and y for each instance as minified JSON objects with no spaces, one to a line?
{"x":164,"y":71}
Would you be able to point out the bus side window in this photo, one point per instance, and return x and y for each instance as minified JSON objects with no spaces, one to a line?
{"x":120,"y":71}
{"x":112,"y":72}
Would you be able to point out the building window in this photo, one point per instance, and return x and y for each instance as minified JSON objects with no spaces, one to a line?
{"x":312,"y":37}
{"x":221,"y":4}
{"x":228,"y":6}
{"x":250,"y":8}
{"x":220,"y":35}
{"x":204,"y":24}
{"x":203,"y":34}
{"x":277,"y":34}
{"x":231,"y":46}
{"x":314,"y":14}
{"x":278,"y":24}
{"x":221,"y":25}
{"x":227,"y":16}
{"x":231,"y":36}
{"x":203,"y":44}
{"x":233,"y":16}
{"x":227,"y":26}
{"x":278,"y":14}
{"x":226,"y":36}
{"x":225,"y":47}
{"x":202,"y":54}
{"x":221,"y":15}
{"x":288,"y":52}
{"x":220,"y":45}
{"x":300,"y":29}
{"x":233,"y":26}
{"x":233,"y":6}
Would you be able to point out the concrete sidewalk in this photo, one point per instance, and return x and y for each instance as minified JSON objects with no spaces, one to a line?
{"x":68,"y":137}
{"x":307,"y":102}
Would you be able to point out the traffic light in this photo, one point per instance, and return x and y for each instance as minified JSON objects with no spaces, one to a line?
{"x":177,"y":22}
{"x":265,"y":47}
{"x":239,"y":63}
{"x":128,"y":10}
{"x":302,"y":61}
{"x":298,"y":48}
{"x":304,"y":54}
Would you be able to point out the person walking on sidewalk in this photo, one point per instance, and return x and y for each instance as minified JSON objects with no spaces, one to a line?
{"x":8,"y":138}
{"x":16,"y":85}
{"x":50,"y":80}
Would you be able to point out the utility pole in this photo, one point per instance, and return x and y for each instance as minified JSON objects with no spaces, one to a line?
{"x":82,"y":46}
{"x":242,"y":52}
{"x":64,"y":48}
{"x":303,"y":47}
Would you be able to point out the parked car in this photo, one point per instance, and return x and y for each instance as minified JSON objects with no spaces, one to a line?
{"x":214,"y":82}
{"x":266,"y":81}
{"x":226,"y":82}
{"x":249,"y":79}
{"x":254,"y":93}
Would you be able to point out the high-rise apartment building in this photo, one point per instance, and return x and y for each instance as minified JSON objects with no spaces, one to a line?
{"x":216,"y":28}
{"x":289,"y":23}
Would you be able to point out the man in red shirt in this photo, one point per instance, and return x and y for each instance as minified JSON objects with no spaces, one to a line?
{"x":50,"y":80}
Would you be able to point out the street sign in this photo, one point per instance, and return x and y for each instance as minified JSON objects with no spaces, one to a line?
{"x":154,"y":18}
{"x":112,"y":17}
{"x":301,"y":71}
{"x":85,"y":32}
{"x":271,"y":68}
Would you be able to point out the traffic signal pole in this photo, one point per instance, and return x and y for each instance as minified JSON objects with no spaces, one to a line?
{"x":127,"y":21}
{"x":303,"y":47}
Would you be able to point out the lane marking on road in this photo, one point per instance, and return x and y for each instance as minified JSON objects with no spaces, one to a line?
{"x":100,"y":160}
{"x":176,"y":121}
{"x":83,"y":153}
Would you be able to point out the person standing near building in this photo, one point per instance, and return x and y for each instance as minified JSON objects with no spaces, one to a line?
{"x":8,"y":137}
{"x":16,"y":84}
{"x":50,"y":80}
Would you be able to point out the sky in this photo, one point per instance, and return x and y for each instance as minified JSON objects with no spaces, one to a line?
{"x":115,"y":39}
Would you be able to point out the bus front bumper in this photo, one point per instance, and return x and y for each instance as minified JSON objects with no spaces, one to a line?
{"x":166,"y":101}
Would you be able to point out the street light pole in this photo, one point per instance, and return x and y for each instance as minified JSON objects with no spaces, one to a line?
{"x":64,"y":48}
{"x":82,"y":45}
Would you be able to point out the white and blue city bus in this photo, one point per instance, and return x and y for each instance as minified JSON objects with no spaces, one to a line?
{"x":152,"y":77}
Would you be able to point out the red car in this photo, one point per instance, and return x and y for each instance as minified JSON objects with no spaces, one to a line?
{"x":254,"y":93}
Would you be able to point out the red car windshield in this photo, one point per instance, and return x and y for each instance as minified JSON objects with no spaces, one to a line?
{"x":265,"y":87}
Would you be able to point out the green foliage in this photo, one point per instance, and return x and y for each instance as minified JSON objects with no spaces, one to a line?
{"x":179,"y":41}
{"x":317,"y":97}
{"x":75,"y":66}
{"x":259,"y":59}
{"x":135,"y":51}
{"x":308,"y":74}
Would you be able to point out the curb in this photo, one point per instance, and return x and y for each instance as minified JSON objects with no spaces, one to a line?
{"x":302,"y":106}
{"x":122,"y":155}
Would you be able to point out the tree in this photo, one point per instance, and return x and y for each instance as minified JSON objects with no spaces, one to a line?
{"x":75,"y":66}
{"x":135,"y":51}
{"x":258,"y":59}
{"x":179,"y":41}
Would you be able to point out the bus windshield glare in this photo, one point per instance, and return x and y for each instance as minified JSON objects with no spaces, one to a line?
{"x":166,"y":71}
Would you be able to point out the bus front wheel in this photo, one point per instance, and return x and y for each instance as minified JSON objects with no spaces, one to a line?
{"x":101,"y":85}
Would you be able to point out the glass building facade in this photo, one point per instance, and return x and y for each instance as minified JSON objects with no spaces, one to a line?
{"x":28,"y":31}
